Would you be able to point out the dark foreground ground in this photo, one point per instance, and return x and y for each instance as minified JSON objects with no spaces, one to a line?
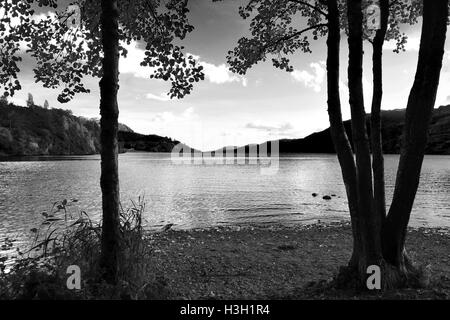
{"x":278,"y":262}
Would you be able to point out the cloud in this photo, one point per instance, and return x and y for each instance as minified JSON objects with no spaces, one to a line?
{"x":44,"y":15}
{"x":183,"y":125}
{"x":282,"y":128}
{"x":132,"y":63}
{"x":168,"y":117}
{"x":16,"y":21}
{"x":219,"y":74}
{"x":161,"y":97}
{"x":314,"y":79}
{"x":442,"y":97}
{"x":446,"y":62}
{"x":412,"y":44}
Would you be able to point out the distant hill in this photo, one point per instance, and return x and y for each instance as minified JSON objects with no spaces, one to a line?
{"x":39,"y":131}
{"x":125,"y":128}
{"x":150,"y":143}
{"x":392,"y":128}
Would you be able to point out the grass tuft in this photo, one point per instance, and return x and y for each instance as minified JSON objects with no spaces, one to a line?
{"x":63,"y":239}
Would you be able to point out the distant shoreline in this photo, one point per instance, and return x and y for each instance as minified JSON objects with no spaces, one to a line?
{"x":38,"y":131}
{"x":6,"y":157}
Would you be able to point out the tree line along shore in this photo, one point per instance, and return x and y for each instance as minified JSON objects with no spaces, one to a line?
{"x":35,"y":130}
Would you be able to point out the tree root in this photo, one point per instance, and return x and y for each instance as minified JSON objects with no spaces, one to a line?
{"x":408,"y":275}
{"x":347,"y":278}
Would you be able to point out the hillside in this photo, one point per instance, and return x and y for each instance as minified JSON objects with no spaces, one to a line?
{"x":150,"y":143}
{"x":392,"y":126}
{"x":39,"y":131}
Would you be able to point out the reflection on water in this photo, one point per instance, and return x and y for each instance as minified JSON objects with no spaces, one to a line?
{"x":203,"y":195}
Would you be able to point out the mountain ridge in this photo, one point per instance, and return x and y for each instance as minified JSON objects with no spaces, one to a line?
{"x":392,"y":128}
{"x":38,"y":131}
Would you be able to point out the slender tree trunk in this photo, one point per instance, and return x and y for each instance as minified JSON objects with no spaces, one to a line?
{"x":418,"y":114}
{"x":375,"y":117}
{"x":369,"y":223}
{"x":109,"y":111}
{"x":379,"y":240}
{"x":338,"y":134}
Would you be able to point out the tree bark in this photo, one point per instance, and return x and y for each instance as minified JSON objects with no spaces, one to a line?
{"x":338,"y":133}
{"x":369,"y":223}
{"x":375,"y":117}
{"x":109,"y":111}
{"x":418,"y":114}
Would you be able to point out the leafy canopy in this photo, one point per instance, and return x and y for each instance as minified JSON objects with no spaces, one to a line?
{"x":65,"y":54}
{"x":279,"y":28}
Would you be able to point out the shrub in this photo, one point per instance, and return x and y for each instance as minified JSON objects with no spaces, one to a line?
{"x":65,"y":239}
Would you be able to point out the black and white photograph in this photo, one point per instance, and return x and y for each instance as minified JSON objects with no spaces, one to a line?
{"x":222,"y":155}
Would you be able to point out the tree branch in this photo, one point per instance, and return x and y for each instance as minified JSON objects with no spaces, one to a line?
{"x":296,"y":34}
{"x":153,"y":13}
{"x":393,"y":3}
{"x":311,"y":6}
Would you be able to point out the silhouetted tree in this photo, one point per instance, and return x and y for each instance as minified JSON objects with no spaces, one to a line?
{"x":66,"y":53}
{"x":46,"y":105}
{"x":3,"y":100}
{"x":11,"y":35}
{"x":377,"y":238}
{"x":30,"y":100}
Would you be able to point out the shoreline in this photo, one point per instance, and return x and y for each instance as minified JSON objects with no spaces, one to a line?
{"x":6,"y":156}
{"x":298,"y":225}
{"x":279,"y":262}
{"x":251,"y":262}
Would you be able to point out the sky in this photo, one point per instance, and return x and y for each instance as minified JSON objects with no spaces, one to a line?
{"x":227,"y":109}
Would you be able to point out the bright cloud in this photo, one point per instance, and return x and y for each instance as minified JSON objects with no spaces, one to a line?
{"x":412,"y":44}
{"x":442,"y":97}
{"x":280,"y":128}
{"x":219,"y":74}
{"x":132,"y":63}
{"x":43,"y":16}
{"x":161,"y":97}
{"x":184,"y":125}
{"x":15,"y":21}
{"x":314,"y":79}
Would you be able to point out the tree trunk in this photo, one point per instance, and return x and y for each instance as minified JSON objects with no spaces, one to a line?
{"x":375,"y":117}
{"x":109,"y":111}
{"x":338,"y":134}
{"x":379,"y":240}
{"x":370,"y":223}
{"x":418,"y":114}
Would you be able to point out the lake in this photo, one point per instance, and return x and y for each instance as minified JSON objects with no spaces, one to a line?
{"x":194,"y":196}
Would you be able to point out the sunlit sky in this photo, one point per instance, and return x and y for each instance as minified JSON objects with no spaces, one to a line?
{"x":227,"y":109}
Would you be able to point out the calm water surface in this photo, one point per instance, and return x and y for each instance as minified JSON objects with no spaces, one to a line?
{"x":192,"y":196}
